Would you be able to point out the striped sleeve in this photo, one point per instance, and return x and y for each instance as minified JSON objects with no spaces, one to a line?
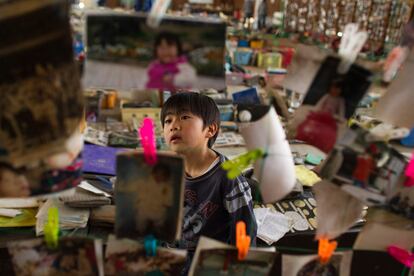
{"x":238,"y":202}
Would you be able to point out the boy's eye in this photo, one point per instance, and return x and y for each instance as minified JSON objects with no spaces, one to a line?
{"x":168,"y":121}
{"x":185,"y":117}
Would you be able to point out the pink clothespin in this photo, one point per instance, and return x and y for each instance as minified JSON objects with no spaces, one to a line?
{"x":409,"y":173}
{"x":403,"y":256}
{"x":148,"y":141}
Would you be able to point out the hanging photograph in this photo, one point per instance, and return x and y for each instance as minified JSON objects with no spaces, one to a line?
{"x":367,"y":169}
{"x":128,"y":257}
{"x":149,"y":199}
{"x":73,"y":256}
{"x":303,"y":265}
{"x":181,"y":54}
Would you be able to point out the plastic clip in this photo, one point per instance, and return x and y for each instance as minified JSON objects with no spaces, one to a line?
{"x":326,"y":249}
{"x":242,"y":240}
{"x":51,"y":229}
{"x":236,"y":166}
{"x":148,"y":141}
{"x":403,"y":256}
{"x":150,"y":246}
{"x":409,"y":173}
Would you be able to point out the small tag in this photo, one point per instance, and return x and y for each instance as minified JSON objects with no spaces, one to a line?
{"x":157,"y":12}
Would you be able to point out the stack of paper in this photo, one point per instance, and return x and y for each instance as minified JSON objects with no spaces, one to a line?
{"x":229,"y":139}
{"x":96,"y":136}
{"x":104,"y":215}
{"x":87,"y":196}
{"x":271,"y":224}
{"x":69,"y":218}
{"x":18,"y":212}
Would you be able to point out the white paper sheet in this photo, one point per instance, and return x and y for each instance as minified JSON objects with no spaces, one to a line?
{"x":273,"y":227}
{"x":90,"y":188}
{"x":11,"y":213}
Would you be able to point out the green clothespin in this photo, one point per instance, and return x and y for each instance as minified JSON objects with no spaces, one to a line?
{"x":51,"y":229}
{"x":236,"y":166}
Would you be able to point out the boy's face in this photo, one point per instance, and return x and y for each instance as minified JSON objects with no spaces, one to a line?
{"x":167,"y":53}
{"x":185,"y":133}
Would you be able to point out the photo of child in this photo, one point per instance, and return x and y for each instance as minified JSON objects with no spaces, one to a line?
{"x":180,"y":54}
{"x":170,"y":70}
{"x":335,"y":93}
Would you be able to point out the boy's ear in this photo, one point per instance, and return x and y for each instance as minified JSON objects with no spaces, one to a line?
{"x":211,"y":130}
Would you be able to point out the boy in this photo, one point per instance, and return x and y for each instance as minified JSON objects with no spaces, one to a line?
{"x":213,"y":204}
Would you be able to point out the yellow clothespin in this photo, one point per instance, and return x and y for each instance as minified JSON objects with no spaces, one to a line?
{"x":51,"y":229}
{"x":236,"y":166}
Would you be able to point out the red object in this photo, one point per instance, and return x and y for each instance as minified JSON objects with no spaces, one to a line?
{"x":363,"y":169}
{"x":319,"y":129}
{"x":287,"y":54}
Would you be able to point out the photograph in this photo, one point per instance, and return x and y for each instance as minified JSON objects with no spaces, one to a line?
{"x":309,"y":265}
{"x":369,"y":170}
{"x":219,"y":261}
{"x":149,"y":199}
{"x":337,"y":94}
{"x":73,"y":256}
{"x":128,"y":257}
{"x":41,"y":103}
{"x":181,"y":54}
{"x":217,"y":258}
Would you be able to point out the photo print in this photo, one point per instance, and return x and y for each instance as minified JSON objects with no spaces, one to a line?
{"x":181,"y":54}
{"x":42,"y":102}
{"x":73,"y":256}
{"x":216,"y":258}
{"x":367,"y":169}
{"x":149,"y":199}
{"x":330,"y":100}
{"x":305,"y":265}
{"x":129,"y":257}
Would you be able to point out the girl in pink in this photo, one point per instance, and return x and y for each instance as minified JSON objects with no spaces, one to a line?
{"x":171,"y":70}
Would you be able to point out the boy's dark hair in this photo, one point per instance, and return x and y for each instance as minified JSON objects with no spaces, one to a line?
{"x":199,"y":105}
{"x":171,"y":39}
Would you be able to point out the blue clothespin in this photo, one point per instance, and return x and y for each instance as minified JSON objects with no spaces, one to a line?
{"x":150,"y":245}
